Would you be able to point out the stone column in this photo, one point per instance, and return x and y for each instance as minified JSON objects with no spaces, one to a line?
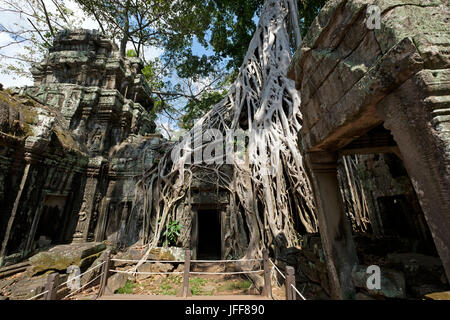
{"x":100,"y":229}
{"x":418,"y":115}
{"x":89,"y":198}
{"x":105,"y":209}
{"x":21,"y":206}
{"x":12,"y":217}
{"x":335,"y":229}
{"x":34,"y":225}
{"x":194,"y":233}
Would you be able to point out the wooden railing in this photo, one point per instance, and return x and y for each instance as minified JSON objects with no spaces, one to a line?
{"x":185,"y":292}
{"x":51,"y":287}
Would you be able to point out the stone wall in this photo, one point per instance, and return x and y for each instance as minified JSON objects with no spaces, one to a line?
{"x":392,"y":204}
{"x":73,"y":147}
{"x":344,"y":66}
{"x":204,"y":195}
{"x":40,"y":159}
{"x":367,"y":91}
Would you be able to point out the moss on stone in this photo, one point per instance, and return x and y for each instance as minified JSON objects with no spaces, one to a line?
{"x":48,"y":261}
{"x":66,"y":139}
{"x":44,"y":261}
{"x":26,"y":112}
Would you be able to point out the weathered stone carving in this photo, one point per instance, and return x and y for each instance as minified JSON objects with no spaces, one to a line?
{"x":56,"y":137}
{"x":353,"y":79}
{"x":82,"y":216}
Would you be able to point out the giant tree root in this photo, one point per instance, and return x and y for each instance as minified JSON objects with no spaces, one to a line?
{"x":270,"y":186}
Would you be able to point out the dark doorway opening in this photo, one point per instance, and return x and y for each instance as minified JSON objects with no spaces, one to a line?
{"x":48,"y":224}
{"x":394,"y":215}
{"x":209,"y":235}
{"x":51,"y":220}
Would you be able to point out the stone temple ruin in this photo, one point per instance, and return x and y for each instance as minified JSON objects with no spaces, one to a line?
{"x":71,"y":147}
{"x":375,"y":136}
{"x":382,"y":95}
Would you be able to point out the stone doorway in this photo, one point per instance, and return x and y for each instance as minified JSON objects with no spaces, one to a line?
{"x":50,"y":222}
{"x":209,"y":245}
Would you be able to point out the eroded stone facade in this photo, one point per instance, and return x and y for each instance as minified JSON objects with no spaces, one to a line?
{"x":359,"y":86}
{"x":72,"y":148}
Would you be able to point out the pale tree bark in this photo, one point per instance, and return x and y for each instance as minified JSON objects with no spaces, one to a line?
{"x":353,"y":193}
{"x":265,"y":103}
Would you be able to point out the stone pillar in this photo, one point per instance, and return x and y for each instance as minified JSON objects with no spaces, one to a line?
{"x":335,"y":229}
{"x":88,"y":205}
{"x":34,"y":225}
{"x":193,"y":244}
{"x":21,"y":204}
{"x":105,"y":209}
{"x":418,"y":116}
{"x":11,"y":220}
{"x":100,"y":229}
{"x":5,"y":165}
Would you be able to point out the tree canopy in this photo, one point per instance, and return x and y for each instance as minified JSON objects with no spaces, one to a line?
{"x":203,"y":42}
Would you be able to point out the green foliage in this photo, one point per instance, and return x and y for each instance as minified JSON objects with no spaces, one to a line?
{"x":127,"y":288}
{"x":223,"y":26}
{"x":172,"y":232}
{"x":131,"y":53}
{"x":168,"y":290}
{"x":197,"y":287}
{"x":232,"y":28}
{"x":163,"y":23}
{"x":307,"y":12}
{"x":170,"y":285}
{"x":153,"y":72}
{"x":235,"y":285}
{"x":195,"y":108}
{"x":197,"y":282}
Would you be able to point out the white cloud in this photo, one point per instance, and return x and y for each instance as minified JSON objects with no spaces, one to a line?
{"x":88,"y":22}
{"x":152,"y":52}
{"x":9,"y":80}
{"x":14,"y":22}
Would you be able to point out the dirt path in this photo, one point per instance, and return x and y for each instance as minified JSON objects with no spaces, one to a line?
{"x":202,"y":286}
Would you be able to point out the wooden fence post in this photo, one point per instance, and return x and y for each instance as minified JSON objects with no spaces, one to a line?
{"x":105,"y":274}
{"x":290,"y":281}
{"x":51,"y":286}
{"x":187,"y":266}
{"x":267,"y":291}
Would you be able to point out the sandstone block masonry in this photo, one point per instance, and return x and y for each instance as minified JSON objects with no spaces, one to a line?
{"x":381,"y":90}
{"x":67,"y":169}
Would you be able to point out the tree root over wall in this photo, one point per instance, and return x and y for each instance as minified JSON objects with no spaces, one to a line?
{"x":269,"y":187}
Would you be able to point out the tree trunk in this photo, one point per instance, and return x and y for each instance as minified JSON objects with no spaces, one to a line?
{"x":265,"y":103}
{"x":126,"y":27}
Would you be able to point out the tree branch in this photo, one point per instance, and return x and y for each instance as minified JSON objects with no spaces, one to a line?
{"x":47,"y":18}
